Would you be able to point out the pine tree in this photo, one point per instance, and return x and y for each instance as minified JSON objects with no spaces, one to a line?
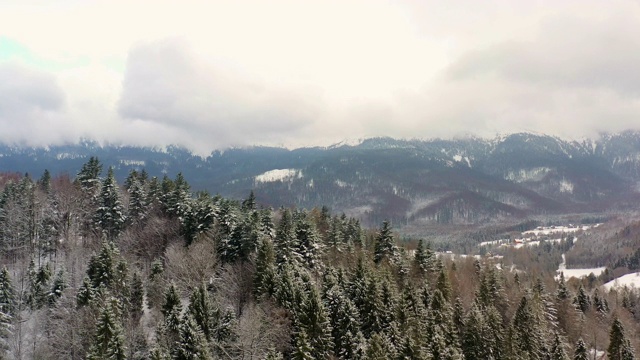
{"x":475,"y":338}
{"x":528,"y":338}
{"x":264,"y":278}
{"x":136,"y":297}
{"x":102,"y":267}
{"x":344,"y":317}
{"x":619,"y":346}
{"x":562,"y":293}
{"x":302,"y":349}
{"x":5,"y":332}
{"x":600,"y":303}
{"x":379,"y":348}
{"x":89,"y":175}
{"x":172,"y":308}
{"x":7,"y":293}
{"x":202,"y":310}
{"x":86,"y":292}
{"x":582,"y":300}
{"x":109,"y":217}
{"x":557,"y":349}
{"x":137,"y":202}
{"x":109,"y":338}
{"x":315,"y":323}
{"x":385,"y":247}
{"x":580,"y":352}
{"x":58,"y":286}
{"x":192,"y":344}
{"x":285,"y":239}
{"x":307,"y":241}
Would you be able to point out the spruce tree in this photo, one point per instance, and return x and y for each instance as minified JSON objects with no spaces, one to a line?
{"x":302,"y":349}
{"x":557,"y":348}
{"x":192,"y":344}
{"x":136,"y":297}
{"x":202,"y":310}
{"x":562,"y":293}
{"x":582,"y":300}
{"x":89,"y":175}
{"x":619,"y":346}
{"x":7,"y":293}
{"x":315,"y":323}
{"x":528,"y":337}
{"x":580,"y":352}
{"x":58,"y":286}
{"x":5,"y":332}
{"x":109,"y":337}
{"x":264,"y":277}
{"x":285,"y":240}
{"x":109,"y":217}
{"x":385,"y":247}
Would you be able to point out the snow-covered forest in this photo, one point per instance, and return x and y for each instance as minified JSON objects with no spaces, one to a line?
{"x":148,"y":269}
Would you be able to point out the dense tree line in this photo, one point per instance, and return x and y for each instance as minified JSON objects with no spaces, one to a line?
{"x":150,"y":270}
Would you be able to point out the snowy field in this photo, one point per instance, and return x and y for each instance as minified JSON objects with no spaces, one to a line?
{"x":278,"y":175}
{"x":558,"y":229}
{"x":577,"y":273}
{"x":630,"y":280}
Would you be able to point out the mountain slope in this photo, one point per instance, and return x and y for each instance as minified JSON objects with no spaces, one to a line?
{"x":459,"y":181}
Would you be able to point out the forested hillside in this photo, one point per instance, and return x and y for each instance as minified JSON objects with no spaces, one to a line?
{"x":149,"y":269}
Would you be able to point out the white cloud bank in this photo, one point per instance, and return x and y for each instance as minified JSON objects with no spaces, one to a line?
{"x":213,"y":74}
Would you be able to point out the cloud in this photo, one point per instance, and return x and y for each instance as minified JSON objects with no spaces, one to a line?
{"x":31,"y":107}
{"x":167,"y":84}
{"x":213,"y":74}
{"x":575,"y":77}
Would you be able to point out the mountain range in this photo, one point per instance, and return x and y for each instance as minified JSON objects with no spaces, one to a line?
{"x":462,"y":181}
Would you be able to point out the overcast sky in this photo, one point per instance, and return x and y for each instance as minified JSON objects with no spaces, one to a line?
{"x":213,"y":74}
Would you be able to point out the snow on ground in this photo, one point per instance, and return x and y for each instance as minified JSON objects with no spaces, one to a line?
{"x":631,"y":280}
{"x":278,"y":175}
{"x":577,"y":273}
{"x":558,"y":229}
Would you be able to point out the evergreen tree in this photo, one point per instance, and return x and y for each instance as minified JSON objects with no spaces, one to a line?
{"x":582,"y":300}
{"x":557,"y":349}
{"x":600,"y":303}
{"x":302,"y":349}
{"x":109,"y":217}
{"x":102,"y":267}
{"x":172,"y":309}
{"x":192,"y":344}
{"x":562,"y":293}
{"x":109,"y":337}
{"x":475,"y":338}
{"x":5,"y":332}
{"x":315,"y":323}
{"x":137,"y":202}
{"x":580,"y":352}
{"x":344,"y":317}
{"x":249,"y":204}
{"x":264,"y":278}
{"x":385,"y":247}
{"x":89,"y":175}
{"x":136,"y":297}
{"x":273,"y":354}
{"x":7,"y":293}
{"x":307,"y":241}
{"x":202,"y":310}
{"x":528,"y":337}
{"x":619,"y":346}
{"x":285,"y":239}
{"x":86,"y":292}
{"x":441,"y":331}
{"x":58,"y":286}
{"x":379,"y":348}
